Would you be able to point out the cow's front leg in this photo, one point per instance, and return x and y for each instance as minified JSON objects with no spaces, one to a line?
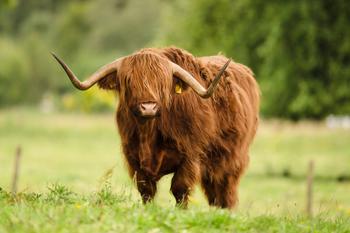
{"x":146,"y":186}
{"x":183,"y":182}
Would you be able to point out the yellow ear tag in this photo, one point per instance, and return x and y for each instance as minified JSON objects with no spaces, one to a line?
{"x":178,"y":89}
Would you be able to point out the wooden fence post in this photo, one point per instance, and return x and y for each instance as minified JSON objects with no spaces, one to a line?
{"x":309,"y":193}
{"x":16,"y":170}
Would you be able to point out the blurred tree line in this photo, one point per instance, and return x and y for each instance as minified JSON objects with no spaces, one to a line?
{"x":299,"y":50}
{"x":85,"y":33}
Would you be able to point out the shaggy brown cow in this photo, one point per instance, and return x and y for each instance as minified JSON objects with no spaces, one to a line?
{"x":170,"y":123}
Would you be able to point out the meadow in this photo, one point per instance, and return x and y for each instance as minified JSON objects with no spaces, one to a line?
{"x":73,"y":178}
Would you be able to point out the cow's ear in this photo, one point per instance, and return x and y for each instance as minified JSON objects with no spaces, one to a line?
{"x":179,"y":86}
{"x":109,"y":82}
{"x":206,"y":74}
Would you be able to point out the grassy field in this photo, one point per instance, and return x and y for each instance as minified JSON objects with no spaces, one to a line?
{"x":73,"y":178}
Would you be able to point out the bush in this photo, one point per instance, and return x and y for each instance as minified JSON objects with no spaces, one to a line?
{"x":34,"y":28}
{"x":14,"y":80}
{"x":93,"y":100}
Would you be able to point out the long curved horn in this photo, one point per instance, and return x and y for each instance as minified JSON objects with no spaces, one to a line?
{"x":94,"y":78}
{"x":194,"y":84}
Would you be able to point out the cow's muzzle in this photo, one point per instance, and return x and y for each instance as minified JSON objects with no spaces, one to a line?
{"x":148,"y":109}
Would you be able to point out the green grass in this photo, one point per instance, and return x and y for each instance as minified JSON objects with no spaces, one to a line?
{"x":61,"y":210}
{"x":80,"y":150}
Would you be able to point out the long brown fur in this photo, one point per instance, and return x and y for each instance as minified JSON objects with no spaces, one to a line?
{"x":199,"y":140}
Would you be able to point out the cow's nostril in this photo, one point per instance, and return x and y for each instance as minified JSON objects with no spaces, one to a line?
{"x":148,"y":109}
{"x":148,"y":106}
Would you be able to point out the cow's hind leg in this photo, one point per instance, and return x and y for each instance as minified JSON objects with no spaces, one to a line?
{"x":220,"y":188}
{"x":228,"y":180}
{"x":226,"y":191}
{"x":146,"y":187}
{"x":208,"y":188}
{"x":183,"y":182}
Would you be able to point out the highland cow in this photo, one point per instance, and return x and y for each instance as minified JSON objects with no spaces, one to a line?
{"x":176,"y":116}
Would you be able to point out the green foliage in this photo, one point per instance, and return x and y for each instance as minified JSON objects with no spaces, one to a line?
{"x":299,"y":50}
{"x":13,"y":74}
{"x":4,"y":4}
{"x":86,"y":34}
{"x":93,"y":100}
{"x":59,"y":194}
